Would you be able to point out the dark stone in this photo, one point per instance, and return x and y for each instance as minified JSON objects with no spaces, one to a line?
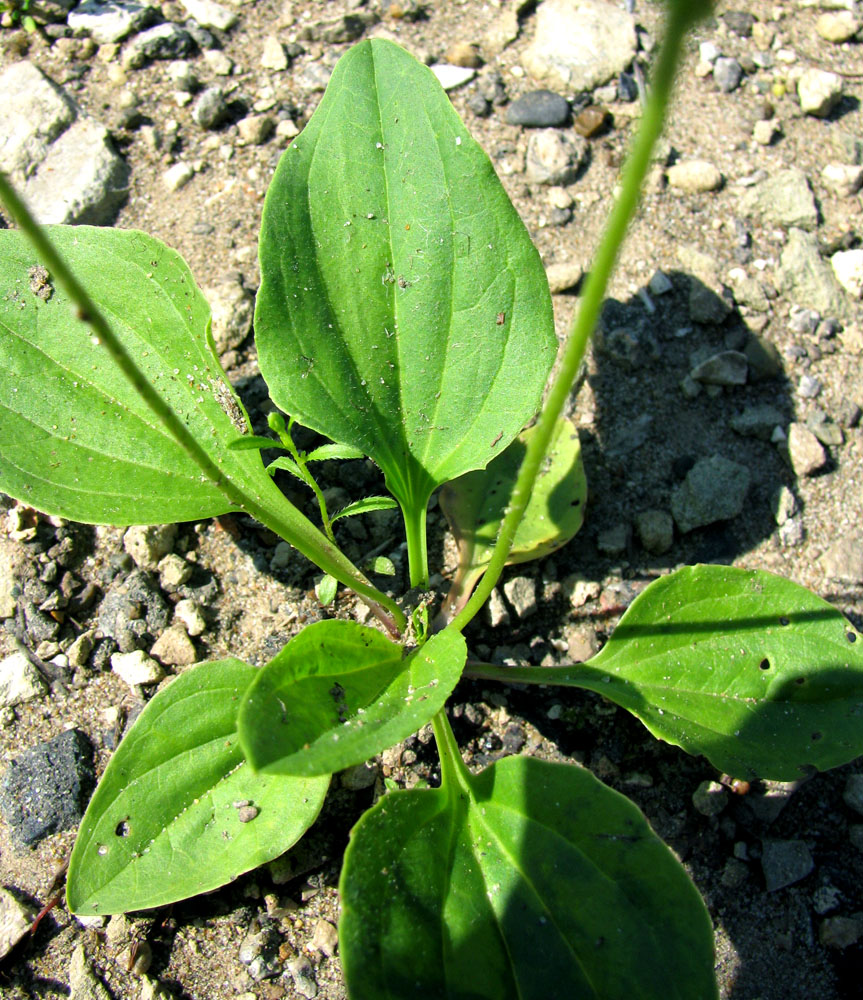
{"x":538,"y":109}
{"x":727,"y":74}
{"x":47,"y":787}
{"x":479,"y":105}
{"x":133,"y":606}
{"x":739,"y":21}
{"x":627,"y":88}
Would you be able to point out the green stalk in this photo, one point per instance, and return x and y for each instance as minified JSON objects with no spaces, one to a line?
{"x":415,"y":533}
{"x":286,"y":522}
{"x":455,"y":777}
{"x":681,"y":15}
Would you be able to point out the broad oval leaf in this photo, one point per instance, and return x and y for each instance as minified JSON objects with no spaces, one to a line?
{"x":475,"y":504}
{"x":755,"y":672}
{"x":178,"y":811}
{"x":537,"y":882}
{"x":339,"y":693}
{"x":403,"y":309}
{"x":76,"y":438}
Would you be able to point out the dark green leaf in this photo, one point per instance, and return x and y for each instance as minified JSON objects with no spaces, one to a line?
{"x":534,"y":881}
{"x":76,"y":438}
{"x":178,"y":811}
{"x":753,"y":671}
{"x":329,"y":451}
{"x":475,"y":504}
{"x":403,"y":309}
{"x":365,"y":506}
{"x":339,"y":692}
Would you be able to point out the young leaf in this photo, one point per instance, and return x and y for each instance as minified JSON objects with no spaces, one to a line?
{"x":753,"y":671}
{"x":382,"y":566}
{"x":535,"y":881}
{"x":288,"y":465}
{"x":252,"y":442}
{"x":365,"y":506}
{"x":474,"y":506}
{"x":326,"y":588}
{"x":339,"y":692}
{"x":329,"y":451}
{"x":76,"y":438}
{"x":403,"y":309}
{"x":178,"y":811}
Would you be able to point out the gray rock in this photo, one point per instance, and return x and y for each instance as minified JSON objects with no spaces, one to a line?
{"x":580,"y":44}
{"x":848,"y":146}
{"x":769,"y":803}
{"x":303,"y":974}
{"x":840,"y":932}
{"x":210,"y":14}
{"x":714,"y":490}
{"x":178,"y":176}
{"x":614,"y":541}
{"x":164,"y":41}
{"x":538,"y":109}
{"x":784,"y":199}
{"x":81,"y":181}
{"x":763,"y":357}
{"x":727,"y":74}
{"x":823,"y":427}
{"x":110,"y":22}
{"x":843,"y":561}
{"x":805,"y":451}
{"x":325,"y":938}
{"x":819,"y":92}
{"x":254,"y":130}
{"x":632,"y":347}
{"x":792,"y":533}
{"x":83,"y":981}
{"x":825,"y":899}
{"x":725,"y":368}
{"x":655,"y":530}
{"x":521,"y":593}
{"x":20,"y":681}
{"x":232,"y":308}
{"x":783,"y":504}
{"x":210,"y":108}
{"x":710,"y":798}
{"x":498,"y":613}
{"x":808,"y":387}
{"x":554,"y":158}
{"x":785,"y":862}
{"x":706,"y":304}
{"x":807,"y":279}
{"x":757,"y":421}
{"x":45,"y":788}
{"x":15,"y":921}
{"x":173,"y":648}
{"x":131,"y":610}
{"x":853,"y":793}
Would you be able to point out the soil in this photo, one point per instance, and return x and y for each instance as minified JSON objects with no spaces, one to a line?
{"x":769,"y":944}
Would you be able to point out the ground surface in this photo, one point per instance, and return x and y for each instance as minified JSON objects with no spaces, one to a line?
{"x":770,"y":944}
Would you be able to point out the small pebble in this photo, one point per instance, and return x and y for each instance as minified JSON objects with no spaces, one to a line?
{"x":694,"y":176}
{"x":819,"y":92}
{"x":727,"y":74}
{"x":837,"y":26}
{"x":538,"y":109}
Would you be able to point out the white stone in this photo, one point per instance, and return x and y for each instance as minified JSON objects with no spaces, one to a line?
{"x":450,"y":77}
{"x":147,"y":543}
{"x":20,"y":681}
{"x":694,"y":176}
{"x":764,"y":132}
{"x":709,"y":52}
{"x":15,"y":921}
{"x":273,"y":55}
{"x":219,"y":63}
{"x":210,"y":14}
{"x":189,"y":613}
{"x":180,"y":174}
{"x":819,"y":91}
{"x":848,"y":268}
{"x":136,"y":668}
{"x":837,"y":26}
{"x":844,"y":179}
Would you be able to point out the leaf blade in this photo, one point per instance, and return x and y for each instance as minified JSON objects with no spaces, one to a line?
{"x":340,"y":692}
{"x":164,"y":822}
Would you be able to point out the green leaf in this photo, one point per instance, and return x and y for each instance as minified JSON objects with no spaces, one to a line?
{"x":76,"y":438}
{"x":403,"y":309}
{"x":339,"y":692}
{"x":753,"y":671}
{"x":534,"y":881}
{"x":365,"y":506}
{"x":178,"y":811}
{"x":382,"y":566}
{"x":475,"y":504}
{"x":326,"y":588}
{"x":288,"y":465}
{"x":330,"y":451}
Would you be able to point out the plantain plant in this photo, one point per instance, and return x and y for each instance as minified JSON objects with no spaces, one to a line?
{"x":403,"y":313}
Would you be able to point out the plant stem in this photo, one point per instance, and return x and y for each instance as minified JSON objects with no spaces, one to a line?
{"x":290,"y":525}
{"x":634,"y":172}
{"x":415,"y":532}
{"x":455,"y":776}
